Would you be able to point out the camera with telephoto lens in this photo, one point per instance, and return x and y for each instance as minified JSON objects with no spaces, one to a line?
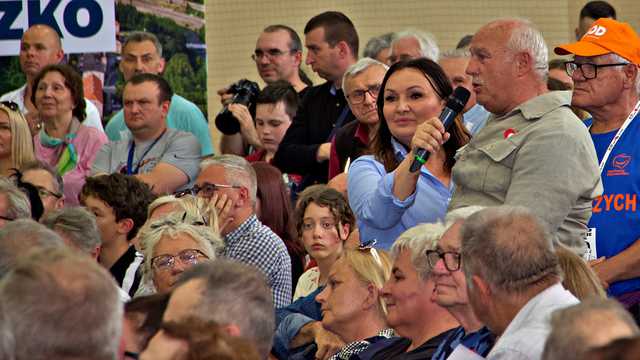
{"x":244,"y":92}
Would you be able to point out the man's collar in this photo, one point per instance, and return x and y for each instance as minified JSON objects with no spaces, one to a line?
{"x":241,"y":229}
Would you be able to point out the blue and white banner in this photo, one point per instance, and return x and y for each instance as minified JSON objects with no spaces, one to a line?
{"x":85,"y":26}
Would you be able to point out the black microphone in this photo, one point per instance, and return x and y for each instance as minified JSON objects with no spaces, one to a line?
{"x":455,"y":104}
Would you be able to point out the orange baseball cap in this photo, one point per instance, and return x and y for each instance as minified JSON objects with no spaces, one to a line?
{"x":606,"y":36}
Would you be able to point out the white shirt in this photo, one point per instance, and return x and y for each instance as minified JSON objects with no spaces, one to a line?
{"x":92,"y":115}
{"x":527,"y":333}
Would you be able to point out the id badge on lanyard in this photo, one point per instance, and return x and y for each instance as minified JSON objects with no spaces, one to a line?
{"x":590,"y":236}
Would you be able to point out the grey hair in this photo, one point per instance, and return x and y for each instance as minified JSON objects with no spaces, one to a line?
{"x":525,"y":37}
{"x":615,"y":58}
{"x":53,"y":284}
{"x":417,"y":240}
{"x":572,"y":328}
{"x":428,"y":45}
{"x":58,"y":183}
{"x":358,"y":68}
{"x":171,"y":226}
{"x":21,"y":236}
{"x":235,"y":293}
{"x":376,"y":44}
{"x":78,"y":226}
{"x":510,"y":248}
{"x":19,"y":206}
{"x":461,"y":213}
{"x":141,"y":36}
{"x":238,"y":171}
{"x":6,"y":338}
{"x":455,"y":54}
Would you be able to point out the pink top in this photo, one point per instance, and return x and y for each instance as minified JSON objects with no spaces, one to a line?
{"x":87,"y":142}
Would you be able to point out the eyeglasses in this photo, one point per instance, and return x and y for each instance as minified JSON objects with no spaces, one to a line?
{"x":589,"y":70}
{"x":451,"y":259}
{"x":269,"y":54}
{"x":10,"y":105}
{"x":206,"y":190}
{"x":172,"y":221}
{"x":44,"y":193}
{"x":186,"y":257}
{"x":6,"y":218}
{"x":358,"y":96}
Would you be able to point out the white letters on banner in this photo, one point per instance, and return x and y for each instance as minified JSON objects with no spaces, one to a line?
{"x":85,"y":25}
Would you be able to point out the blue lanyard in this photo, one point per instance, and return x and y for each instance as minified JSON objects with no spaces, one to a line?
{"x":132,"y":148}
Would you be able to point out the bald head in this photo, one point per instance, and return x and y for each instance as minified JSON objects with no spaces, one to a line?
{"x":40,"y":46}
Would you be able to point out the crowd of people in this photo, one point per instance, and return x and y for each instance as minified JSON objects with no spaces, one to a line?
{"x":312,"y":235}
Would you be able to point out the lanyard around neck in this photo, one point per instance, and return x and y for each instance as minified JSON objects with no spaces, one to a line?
{"x":132,"y":149}
{"x":618,"y":135}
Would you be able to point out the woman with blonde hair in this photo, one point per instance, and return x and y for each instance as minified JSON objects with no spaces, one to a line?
{"x":197,"y":210}
{"x":170,"y":246}
{"x":579,"y":278}
{"x":16,"y":144}
{"x":351,"y":302}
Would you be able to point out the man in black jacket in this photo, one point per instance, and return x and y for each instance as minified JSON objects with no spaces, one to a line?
{"x":332,"y":43}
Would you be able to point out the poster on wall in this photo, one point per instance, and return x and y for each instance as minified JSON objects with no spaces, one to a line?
{"x":93,"y":32}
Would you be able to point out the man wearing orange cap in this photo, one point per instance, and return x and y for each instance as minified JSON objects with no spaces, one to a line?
{"x":607,"y":85}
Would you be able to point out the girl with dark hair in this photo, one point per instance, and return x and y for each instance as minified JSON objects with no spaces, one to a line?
{"x":385,"y":196}
{"x":273,"y":208}
{"x":64,"y":143}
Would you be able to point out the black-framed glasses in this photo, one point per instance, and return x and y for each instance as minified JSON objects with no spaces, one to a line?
{"x":269,"y":54}
{"x":588,"y":70}
{"x":131,"y":355}
{"x":172,"y":221}
{"x":10,"y":105}
{"x":357,"y":96}
{"x":6,"y":218}
{"x":44,"y":193}
{"x":205,"y":190}
{"x":451,"y":259}
{"x":186,"y":257}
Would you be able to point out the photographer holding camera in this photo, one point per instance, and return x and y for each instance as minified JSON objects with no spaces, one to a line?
{"x":278,"y":55}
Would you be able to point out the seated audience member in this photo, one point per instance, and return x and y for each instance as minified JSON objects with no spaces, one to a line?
{"x":172,"y":245}
{"x":196,"y":339}
{"x":409,"y":296}
{"x":21,"y":236}
{"x":379,"y":48}
{"x":276,"y":106}
{"x":533,"y":151}
{"x":14,"y":204}
{"x":513,"y":278}
{"x":386,"y":197}
{"x":454,"y":63}
{"x":609,"y":91}
{"x":41,"y":46}
{"x":361,"y":84}
{"x":451,"y":290}
{"x":621,"y":349}
{"x":229,"y":183}
{"x":64,"y":142}
{"x":579,"y":278}
{"x":164,"y":158}
{"x":230,"y":293}
{"x":278,"y":55}
{"x":590,"y":12}
{"x":413,"y":44}
{"x":119,"y":203}
{"x":69,"y":301}
{"x":77,"y":227}
{"x":592,"y":323}
{"x":351,"y":304}
{"x":142,"y":54}
{"x":47,"y":181}
{"x":273,"y":208}
{"x":142,"y":320}
{"x":558,"y":71}
{"x":323,"y":220}
{"x":332,"y":41}
{"x":16,"y":142}
{"x":192,"y":208}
